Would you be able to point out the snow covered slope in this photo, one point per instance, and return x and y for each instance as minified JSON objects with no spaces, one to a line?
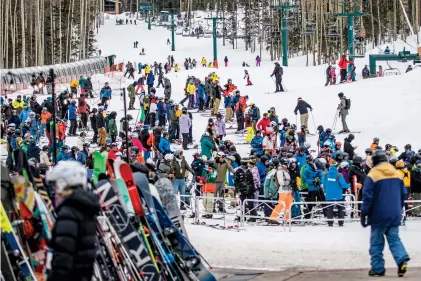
{"x":386,"y":107}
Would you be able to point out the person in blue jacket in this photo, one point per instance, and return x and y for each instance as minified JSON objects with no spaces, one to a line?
{"x":301,"y":156}
{"x":72,"y":118}
{"x":14,"y":119}
{"x":162,"y":111}
{"x":105,"y":95}
{"x":62,"y":155}
{"x":383,"y":199}
{"x":313,"y":178}
{"x":228,"y":107}
{"x":149,"y":81}
{"x":139,"y":67}
{"x":261,"y":167}
{"x":24,"y":114}
{"x":201,"y":95}
{"x":82,"y":155}
{"x":164,"y":144}
{"x":168,"y":109}
{"x":323,"y":136}
{"x":334,"y":185}
{"x":257,"y":143}
{"x":226,"y":61}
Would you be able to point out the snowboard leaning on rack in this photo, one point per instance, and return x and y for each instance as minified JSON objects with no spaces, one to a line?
{"x":126,"y":231}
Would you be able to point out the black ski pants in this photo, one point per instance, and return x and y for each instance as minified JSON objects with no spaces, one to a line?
{"x":250,"y":210}
{"x":314,"y":196}
{"x":341,"y":212}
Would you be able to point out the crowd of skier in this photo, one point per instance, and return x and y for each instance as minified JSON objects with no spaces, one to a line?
{"x":281,"y":164}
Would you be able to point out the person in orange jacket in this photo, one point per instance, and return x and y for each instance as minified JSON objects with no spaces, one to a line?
{"x":242,"y":103}
{"x":45,"y":115}
{"x":343,"y":64}
{"x":61,"y":132}
{"x":375,"y":144}
{"x":135,"y":155}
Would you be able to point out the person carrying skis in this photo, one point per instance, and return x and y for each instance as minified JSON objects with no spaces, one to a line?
{"x":74,"y":235}
{"x":247,"y":77}
{"x":302,"y":107}
{"x":278,"y":71}
{"x":343,"y":108}
{"x":383,"y":199}
{"x":343,"y":64}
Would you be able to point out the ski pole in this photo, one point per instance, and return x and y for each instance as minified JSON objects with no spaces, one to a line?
{"x":314,"y":122}
{"x":285,"y":88}
{"x":334,"y":120}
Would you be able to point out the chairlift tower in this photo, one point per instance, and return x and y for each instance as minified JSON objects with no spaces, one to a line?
{"x":215,"y":46}
{"x":284,"y":6}
{"x":350,"y":13}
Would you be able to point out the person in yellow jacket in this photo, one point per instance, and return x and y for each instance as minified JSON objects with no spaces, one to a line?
{"x":147,"y":70}
{"x":18,"y":103}
{"x":73,"y":87}
{"x":210,"y":65}
{"x":191,"y":90}
{"x":405,"y":174}
{"x":176,"y":68}
{"x":214,"y":77}
{"x":203,"y":62}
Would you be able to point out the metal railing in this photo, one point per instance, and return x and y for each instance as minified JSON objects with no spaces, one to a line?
{"x":264,"y":203}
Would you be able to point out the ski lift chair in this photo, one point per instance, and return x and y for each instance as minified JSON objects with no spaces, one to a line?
{"x":332,"y":32}
{"x":359,"y":49}
{"x":309,"y":28}
{"x":391,"y":70}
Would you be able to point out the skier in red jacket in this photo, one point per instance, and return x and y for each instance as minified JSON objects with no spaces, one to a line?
{"x":263,"y":123}
{"x":343,"y":63}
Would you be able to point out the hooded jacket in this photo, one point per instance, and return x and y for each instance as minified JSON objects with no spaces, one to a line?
{"x":206,"y":145}
{"x":185,"y":124}
{"x":220,"y":127}
{"x":383,"y":196}
{"x":74,"y":237}
{"x":334,"y":183}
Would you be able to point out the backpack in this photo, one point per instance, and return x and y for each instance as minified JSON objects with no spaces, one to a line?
{"x":348,"y":104}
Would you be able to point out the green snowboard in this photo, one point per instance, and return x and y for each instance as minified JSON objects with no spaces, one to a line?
{"x":99,"y":165}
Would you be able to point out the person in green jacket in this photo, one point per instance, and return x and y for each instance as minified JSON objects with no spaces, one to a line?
{"x":206,"y":145}
{"x":270,"y":188}
{"x":132,"y":95}
{"x":112,"y":126}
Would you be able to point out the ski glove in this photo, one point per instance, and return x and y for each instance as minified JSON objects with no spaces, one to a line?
{"x":364,"y":220}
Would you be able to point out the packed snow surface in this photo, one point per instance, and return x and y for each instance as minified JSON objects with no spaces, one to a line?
{"x":388,"y":108}
{"x":305,"y":247}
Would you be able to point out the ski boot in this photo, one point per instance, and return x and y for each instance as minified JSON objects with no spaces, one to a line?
{"x":402,"y":267}
{"x":374,"y":274}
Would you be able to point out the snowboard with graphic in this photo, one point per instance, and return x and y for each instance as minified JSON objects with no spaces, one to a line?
{"x":128,"y":234}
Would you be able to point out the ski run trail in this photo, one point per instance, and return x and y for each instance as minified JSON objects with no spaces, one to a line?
{"x":388,"y":108}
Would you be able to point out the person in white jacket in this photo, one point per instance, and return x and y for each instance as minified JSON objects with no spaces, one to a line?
{"x":269,"y":139}
{"x":283,"y":180}
{"x":43,"y":156}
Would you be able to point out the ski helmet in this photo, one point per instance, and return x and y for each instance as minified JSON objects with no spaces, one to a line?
{"x":328,"y":131}
{"x":357,"y":160}
{"x":67,"y":174}
{"x":378,"y":157}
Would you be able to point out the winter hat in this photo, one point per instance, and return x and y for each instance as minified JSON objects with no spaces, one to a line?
{"x":299,"y":98}
{"x":400,"y":164}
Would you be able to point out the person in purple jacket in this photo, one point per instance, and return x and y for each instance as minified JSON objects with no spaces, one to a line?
{"x":220,"y":126}
{"x":185,"y":124}
{"x":258,"y":60}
